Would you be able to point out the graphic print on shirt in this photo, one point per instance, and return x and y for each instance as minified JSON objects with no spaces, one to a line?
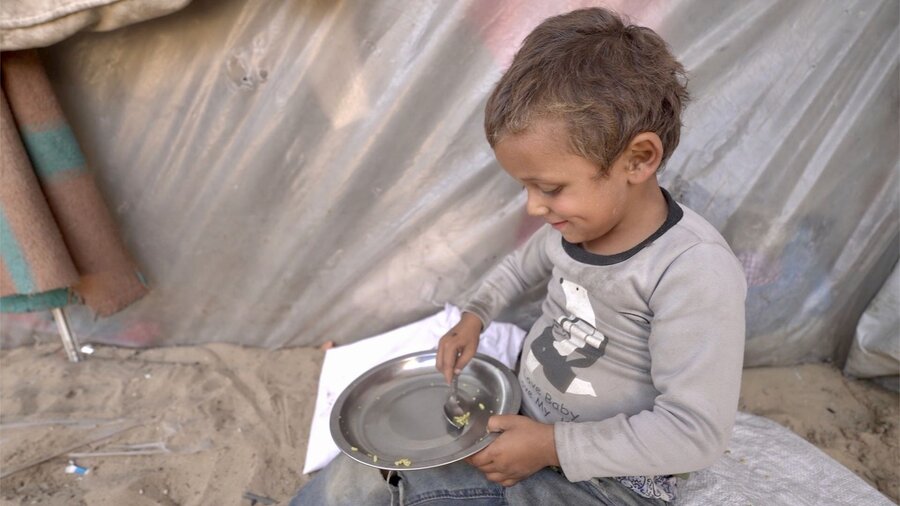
{"x":572,"y":342}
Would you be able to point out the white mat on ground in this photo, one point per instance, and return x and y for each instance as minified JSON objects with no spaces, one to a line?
{"x":768,"y":464}
{"x":344,"y":364}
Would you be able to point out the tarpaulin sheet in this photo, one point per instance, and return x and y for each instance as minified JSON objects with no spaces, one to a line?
{"x":298,"y":171}
{"x":768,"y":464}
{"x":875,"y":350}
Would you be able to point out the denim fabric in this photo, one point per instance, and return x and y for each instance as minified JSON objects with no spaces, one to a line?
{"x":344,"y":482}
{"x":347,"y":482}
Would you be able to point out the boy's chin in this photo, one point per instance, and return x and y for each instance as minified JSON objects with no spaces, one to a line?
{"x":572,"y":237}
{"x":580,"y":239}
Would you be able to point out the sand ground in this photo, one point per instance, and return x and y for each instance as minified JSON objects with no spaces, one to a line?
{"x":855,"y":422}
{"x":209,"y":424}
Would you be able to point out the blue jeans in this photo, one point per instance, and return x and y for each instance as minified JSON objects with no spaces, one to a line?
{"x":347,"y":482}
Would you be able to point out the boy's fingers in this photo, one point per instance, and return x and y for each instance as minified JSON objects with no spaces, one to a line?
{"x":447,"y":370}
{"x":500,"y":479}
{"x":455,"y":349}
{"x":446,"y":356}
{"x":500,"y":423}
{"x":465,"y":356}
{"x":476,"y":461}
{"x":447,"y":362}
{"x":480,"y":459}
{"x":489,"y":467}
{"x":442,"y":356}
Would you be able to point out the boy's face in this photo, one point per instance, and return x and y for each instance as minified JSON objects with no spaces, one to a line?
{"x":565,"y":189}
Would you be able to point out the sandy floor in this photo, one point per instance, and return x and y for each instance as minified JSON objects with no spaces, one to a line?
{"x":226,"y":421}
{"x":855,"y":422}
{"x":213,"y":423}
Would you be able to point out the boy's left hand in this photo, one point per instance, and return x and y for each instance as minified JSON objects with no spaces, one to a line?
{"x":523,"y":448}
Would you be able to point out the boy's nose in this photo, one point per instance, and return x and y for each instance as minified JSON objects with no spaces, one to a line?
{"x":534,"y":206}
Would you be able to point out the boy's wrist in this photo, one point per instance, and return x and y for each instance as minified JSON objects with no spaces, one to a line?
{"x":553,"y":457}
{"x":472,"y":319}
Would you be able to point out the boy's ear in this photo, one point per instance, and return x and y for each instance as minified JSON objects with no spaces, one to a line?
{"x":645,"y":152}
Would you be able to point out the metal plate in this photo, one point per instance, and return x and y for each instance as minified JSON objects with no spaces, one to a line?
{"x":394,"y":411}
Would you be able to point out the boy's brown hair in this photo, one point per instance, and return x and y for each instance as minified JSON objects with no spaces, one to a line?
{"x":606,"y":80}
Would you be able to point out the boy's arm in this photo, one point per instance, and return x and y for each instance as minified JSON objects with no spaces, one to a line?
{"x":696,"y":346}
{"x":519,"y":271}
{"x":523,"y":269}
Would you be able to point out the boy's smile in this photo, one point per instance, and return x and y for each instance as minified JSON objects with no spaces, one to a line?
{"x":605,"y":214}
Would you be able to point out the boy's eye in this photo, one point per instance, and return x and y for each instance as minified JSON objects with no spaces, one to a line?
{"x":545,"y":189}
{"x":550,"y":190}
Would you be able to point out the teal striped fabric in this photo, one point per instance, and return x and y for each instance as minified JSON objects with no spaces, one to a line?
{"x":43,"y":301}
{"x":24,"y":301}
{"x":53,"y":151}
{"x":45,"y":247}
{"x":11,"y":251}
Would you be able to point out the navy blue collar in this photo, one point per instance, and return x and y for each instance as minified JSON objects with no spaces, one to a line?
{"x":577,"y":252}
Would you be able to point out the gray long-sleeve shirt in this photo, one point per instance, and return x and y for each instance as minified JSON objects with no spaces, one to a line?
{"x":636,"y":357}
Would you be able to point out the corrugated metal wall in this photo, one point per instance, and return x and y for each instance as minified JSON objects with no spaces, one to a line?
{"x":291,"y":172}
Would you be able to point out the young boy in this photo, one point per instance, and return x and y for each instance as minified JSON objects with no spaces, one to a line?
{"x":631,"y":374}
{"x":633,"y":368}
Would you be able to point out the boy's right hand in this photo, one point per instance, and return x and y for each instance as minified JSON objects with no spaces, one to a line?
{"x":458,"y":346}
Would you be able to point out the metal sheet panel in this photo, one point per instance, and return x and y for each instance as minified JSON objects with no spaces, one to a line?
{"x":291,"y":172}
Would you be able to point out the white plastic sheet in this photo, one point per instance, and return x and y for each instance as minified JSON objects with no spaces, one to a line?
{"x":292,"y":172}
{"x":875,"y":351}
{"x":768,"y":464}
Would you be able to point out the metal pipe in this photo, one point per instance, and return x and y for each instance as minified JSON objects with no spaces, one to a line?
{"x":68,"y":339}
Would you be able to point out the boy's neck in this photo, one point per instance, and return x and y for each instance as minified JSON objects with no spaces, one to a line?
{"x":646,"y":211}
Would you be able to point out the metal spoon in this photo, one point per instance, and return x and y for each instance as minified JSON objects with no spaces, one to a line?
{"x":456,"y":408}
